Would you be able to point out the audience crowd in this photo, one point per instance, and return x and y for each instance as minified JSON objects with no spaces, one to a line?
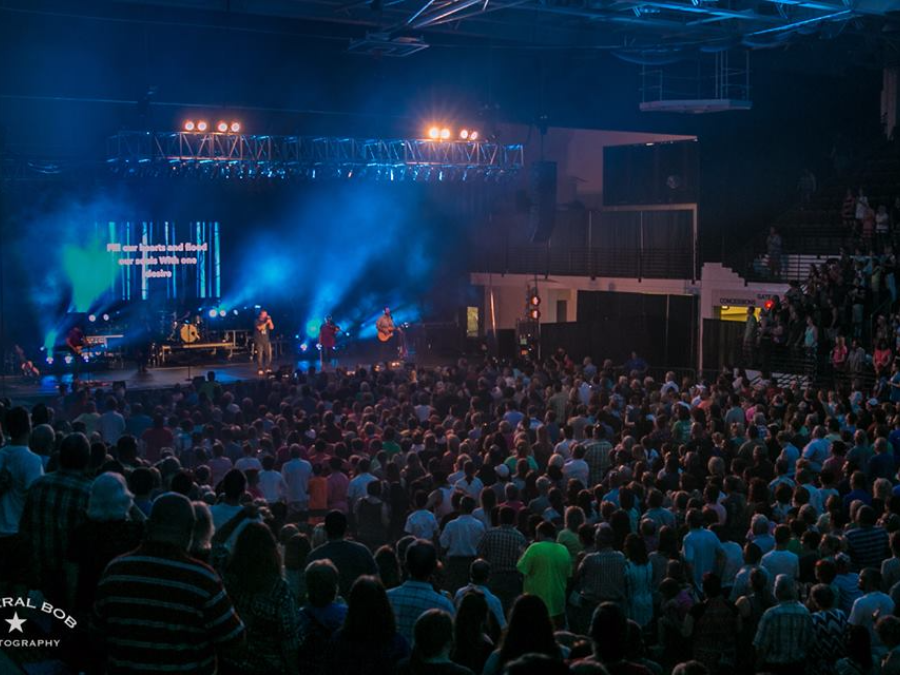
{"x":546,"y":518}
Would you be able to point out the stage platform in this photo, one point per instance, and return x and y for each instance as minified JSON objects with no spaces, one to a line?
{"x":21,"y":391}
{"x":26,"y":392}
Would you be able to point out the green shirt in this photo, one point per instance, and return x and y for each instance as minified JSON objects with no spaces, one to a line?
{"x":547,"y":567}
{"x":571,"y":541}
{"x":390,"y":448}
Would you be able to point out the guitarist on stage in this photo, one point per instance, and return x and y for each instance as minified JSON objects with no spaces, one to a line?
{"x":386,"y":329}
{"x":75,"y":341}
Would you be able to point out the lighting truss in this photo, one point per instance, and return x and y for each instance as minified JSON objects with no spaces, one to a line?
{"x":255,"y":156}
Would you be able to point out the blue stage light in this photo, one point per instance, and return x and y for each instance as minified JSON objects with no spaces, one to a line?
{"x":92,"y":318}
{"x":213,"y":313}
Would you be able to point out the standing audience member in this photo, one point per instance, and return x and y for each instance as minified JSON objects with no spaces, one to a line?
{"x":19,"y":468}
{"x":196,"y":620}
{"x":368,"y":643}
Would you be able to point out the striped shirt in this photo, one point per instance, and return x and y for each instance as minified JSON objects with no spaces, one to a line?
{"x":161,"y":611}
{"x":867,"y":546}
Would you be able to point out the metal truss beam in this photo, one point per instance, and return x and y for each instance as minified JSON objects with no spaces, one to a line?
{"x":255,"y":156}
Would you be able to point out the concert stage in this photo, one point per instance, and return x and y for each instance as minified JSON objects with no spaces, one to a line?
{"x":22,"y":391}
{"x":47,"y":386}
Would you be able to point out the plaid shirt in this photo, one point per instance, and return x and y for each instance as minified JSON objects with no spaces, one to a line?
{"x":411,"y":600}
{"x":785,"y":634}
{"x":502,"y":547}
{"x":601,"y":576}
{"x":597,"y":455}
{"x":55,"y":505}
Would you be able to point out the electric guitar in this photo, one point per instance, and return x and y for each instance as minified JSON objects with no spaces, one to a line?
{"x":28,"y":368}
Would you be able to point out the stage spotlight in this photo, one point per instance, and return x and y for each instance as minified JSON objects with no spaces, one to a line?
{"x":304,"y":347}
{"x":473,"y":136}
{"x":235,"y":312}
{"x":222,"y":127}
{"x":68,"y":359}
{"x":202,"y":125}
{"x":534,"y":314}
{"x":222,"y":313}
{"x":49,"y":360}
{"x":92,"y":318}
{"x":434,"y":133}
{"x":85,"y":357}
{"x":106,"y":317}
{"x":445,"y":134}
{"x":464,"y":134}
{"x":189,"y":125}
{"x":213,"y":313}
{"x":235,"y":127}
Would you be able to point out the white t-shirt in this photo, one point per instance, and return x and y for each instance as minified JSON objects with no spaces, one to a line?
{"x":111,"y":426}
{"x":222,"y":513}
{"x":421,"y":524}
{"x":777,"y":562}
{"x":24,"y":468}
{"x":296,"y":475}
{"x":246,"y":464}
{"x":579,"y":470}
{"x":272,"y":486}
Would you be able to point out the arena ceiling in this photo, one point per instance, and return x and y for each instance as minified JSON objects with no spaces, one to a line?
{"x":643,"y":31}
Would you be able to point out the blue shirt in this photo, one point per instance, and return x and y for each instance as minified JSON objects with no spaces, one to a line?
{"x":699,"y":550}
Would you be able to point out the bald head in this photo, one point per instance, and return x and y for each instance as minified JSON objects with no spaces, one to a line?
{"x":43,"y":438}
{"x":171,"y":520}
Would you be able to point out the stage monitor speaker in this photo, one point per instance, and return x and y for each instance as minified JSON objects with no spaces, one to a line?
{"x":506,"y":343}
{"x":542,"y":191}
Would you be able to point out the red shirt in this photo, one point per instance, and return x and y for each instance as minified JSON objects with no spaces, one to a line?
{"x":327,"y":334}
{"x":154,"y":441}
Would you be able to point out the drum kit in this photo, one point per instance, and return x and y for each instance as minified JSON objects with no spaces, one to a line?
{"x":186,"y":330}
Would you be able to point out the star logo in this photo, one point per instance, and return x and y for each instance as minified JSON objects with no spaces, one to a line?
{"x":15,"y":623}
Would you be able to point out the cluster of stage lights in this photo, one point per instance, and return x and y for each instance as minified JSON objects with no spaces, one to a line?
{"x":215,"y":312}
{"x":202,"y":126}
{"x":445,"y":133}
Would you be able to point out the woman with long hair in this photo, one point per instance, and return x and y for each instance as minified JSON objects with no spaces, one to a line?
{"x":266,"y":605}
{"x":530,"y":631}
{"x":388,"y":566}
{"x":638,"y":581}
{"x":368,"y":643}
{"x":859,"y":653}
{"x":471,"y":645}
